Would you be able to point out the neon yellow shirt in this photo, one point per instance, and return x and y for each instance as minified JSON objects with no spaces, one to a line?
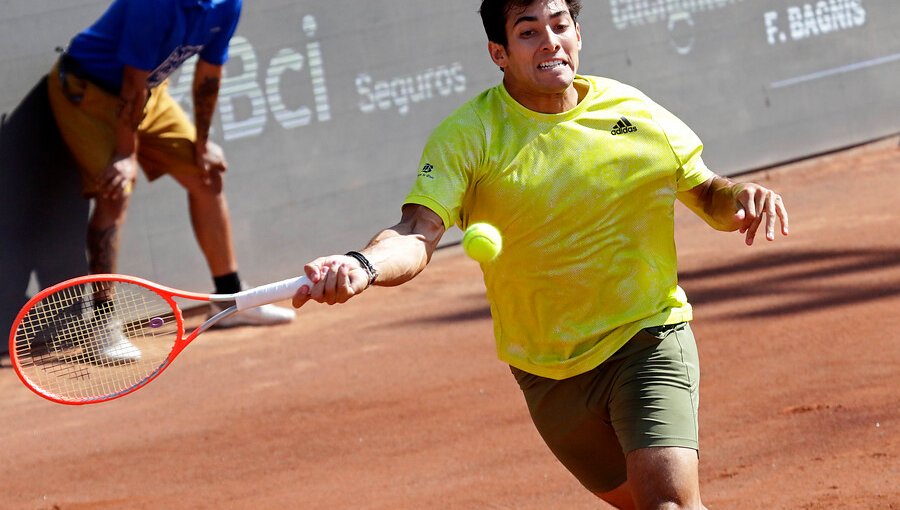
{"x":584,"y":201}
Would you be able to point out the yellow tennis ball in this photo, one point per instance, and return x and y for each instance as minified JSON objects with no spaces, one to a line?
{"x":482,"y":242}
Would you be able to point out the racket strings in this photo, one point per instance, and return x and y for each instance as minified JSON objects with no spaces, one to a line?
{"x":93,"y":342}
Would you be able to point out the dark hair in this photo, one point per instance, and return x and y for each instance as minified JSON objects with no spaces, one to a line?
{"x":493,"y":16}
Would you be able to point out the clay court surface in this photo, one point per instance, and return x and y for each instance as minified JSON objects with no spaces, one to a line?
{"x":396,"y":400}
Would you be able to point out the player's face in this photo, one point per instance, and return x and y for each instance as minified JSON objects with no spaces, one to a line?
{"x":541,"y":56}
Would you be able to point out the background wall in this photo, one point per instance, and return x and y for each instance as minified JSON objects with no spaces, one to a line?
{"x":326,"y":105}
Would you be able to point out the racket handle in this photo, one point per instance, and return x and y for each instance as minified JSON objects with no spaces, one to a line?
{"x":270,"y":293}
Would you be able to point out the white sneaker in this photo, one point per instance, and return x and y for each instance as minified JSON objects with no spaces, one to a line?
{"x":111,"y":346}
{"x":265,"y":315}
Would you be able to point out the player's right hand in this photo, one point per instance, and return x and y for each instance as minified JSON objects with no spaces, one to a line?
{"x":335,"y":279}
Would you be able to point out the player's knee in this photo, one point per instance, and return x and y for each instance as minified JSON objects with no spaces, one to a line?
{"x":673,"y":505}
{"x":664,"y":478}
{"x":619,"y":498}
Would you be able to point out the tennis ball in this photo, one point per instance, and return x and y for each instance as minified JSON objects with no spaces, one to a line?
{"x":482,"y":242}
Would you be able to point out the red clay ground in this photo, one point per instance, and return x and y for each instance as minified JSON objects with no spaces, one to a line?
{"x":396,"y":401}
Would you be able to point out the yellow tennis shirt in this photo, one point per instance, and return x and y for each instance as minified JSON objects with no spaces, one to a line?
{"x":584,"y":201}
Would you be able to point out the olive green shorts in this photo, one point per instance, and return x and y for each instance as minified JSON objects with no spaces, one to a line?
{"x":87,"y":117}
{"x":645,"y":395}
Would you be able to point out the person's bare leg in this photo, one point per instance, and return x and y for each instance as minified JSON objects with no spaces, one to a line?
{"x":664,"y":478}
{"x":211,"y":222}
{"x":105,"y":223}
{"x":109,"y":345}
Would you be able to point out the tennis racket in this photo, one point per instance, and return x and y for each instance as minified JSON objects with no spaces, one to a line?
{"x":96,"y":338}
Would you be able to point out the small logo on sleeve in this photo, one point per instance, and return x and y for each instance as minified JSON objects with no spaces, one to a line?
{"x":426,"y":171}
{"x":623,"y":127}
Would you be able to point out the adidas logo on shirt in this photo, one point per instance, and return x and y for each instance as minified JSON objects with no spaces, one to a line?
{"x":623,"y":127}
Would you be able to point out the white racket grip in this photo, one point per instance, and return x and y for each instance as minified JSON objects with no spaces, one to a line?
{"x":265,"y":294}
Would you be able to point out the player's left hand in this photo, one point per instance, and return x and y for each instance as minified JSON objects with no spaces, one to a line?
{"x":756,"y":204}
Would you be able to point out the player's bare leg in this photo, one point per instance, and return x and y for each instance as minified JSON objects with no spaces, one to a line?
{"x":664,"y":478}
{"x":620,"y":497}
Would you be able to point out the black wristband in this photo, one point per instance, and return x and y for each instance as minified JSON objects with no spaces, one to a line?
{"x":365,"y":264}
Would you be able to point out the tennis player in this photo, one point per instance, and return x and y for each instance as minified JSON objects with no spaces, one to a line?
{"x":109,"y":96}
{"x":580,"y":174}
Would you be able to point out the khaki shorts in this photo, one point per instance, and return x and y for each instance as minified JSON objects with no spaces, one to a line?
{"x":646,"y":395}
{"x":87,"y":115}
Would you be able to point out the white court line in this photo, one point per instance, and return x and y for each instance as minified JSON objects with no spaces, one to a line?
{"x":835,"y":70}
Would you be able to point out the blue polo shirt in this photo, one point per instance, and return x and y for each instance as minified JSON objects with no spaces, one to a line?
{"x":155,"y":36}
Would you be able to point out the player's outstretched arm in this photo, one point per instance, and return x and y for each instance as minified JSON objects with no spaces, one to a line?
{"x":397,"y":254}
{"x":744,"y":206}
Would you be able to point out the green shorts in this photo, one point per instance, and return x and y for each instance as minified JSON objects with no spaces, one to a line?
{"x":645,"y":395}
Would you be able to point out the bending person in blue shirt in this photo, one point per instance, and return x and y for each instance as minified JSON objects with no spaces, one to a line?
{"x":108,"y":95}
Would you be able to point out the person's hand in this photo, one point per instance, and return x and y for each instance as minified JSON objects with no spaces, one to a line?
{"x":335,"y":279}
{"x":756,"y":203}
{"x":118,"y":178}
{"x":211,"y":158}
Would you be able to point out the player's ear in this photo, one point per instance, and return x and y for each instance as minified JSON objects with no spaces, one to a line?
{"x":578,"y":34}
{"x":498,"y":54}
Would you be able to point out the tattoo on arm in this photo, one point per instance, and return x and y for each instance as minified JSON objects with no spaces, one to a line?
{"x":103,"y":249}
{"x":206,"y":92}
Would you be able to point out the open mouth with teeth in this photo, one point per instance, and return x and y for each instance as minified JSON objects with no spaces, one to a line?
{"x":553,"y":64}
